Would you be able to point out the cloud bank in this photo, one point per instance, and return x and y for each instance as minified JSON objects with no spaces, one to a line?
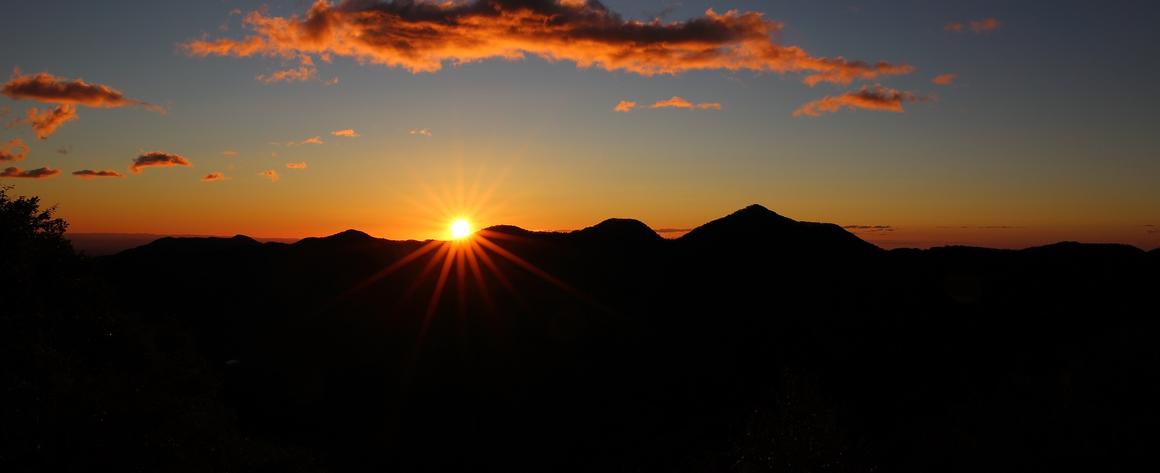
{"x":424,"y":36}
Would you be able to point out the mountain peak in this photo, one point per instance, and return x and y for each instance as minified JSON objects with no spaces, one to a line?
{"x":620,"y":229}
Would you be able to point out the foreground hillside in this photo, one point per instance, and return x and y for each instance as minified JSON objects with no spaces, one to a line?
{"x":753,"y":343}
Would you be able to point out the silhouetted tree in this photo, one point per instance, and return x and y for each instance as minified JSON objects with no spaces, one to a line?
{"x":33,"y":251}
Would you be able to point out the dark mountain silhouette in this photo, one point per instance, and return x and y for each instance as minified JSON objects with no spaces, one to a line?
{"x":753,"y":343}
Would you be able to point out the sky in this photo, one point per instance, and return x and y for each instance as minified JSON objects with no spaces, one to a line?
{"x":913,"y":123}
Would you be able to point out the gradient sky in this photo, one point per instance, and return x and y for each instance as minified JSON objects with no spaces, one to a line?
{"x":1048,"y":131}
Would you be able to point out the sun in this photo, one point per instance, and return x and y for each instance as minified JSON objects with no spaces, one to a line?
{"x":460,"y":229}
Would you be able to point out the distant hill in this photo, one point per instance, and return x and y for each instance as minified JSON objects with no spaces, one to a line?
{"x":100,"y":244}
{"x":754,"y":342}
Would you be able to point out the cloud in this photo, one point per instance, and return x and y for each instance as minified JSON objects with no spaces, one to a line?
{"x":420,"y":132}
{"x":66,"y":94}
{"x":213,"y":176}
{"x":38,"y":173}
{"x":944,"y":79}
{"x":47,"y":88}
{"x":301,"y":165}
{"x":270,"y":174}
{"x":313,"y":140}
{"x":624,"y":106}
{"x":870,"y":98}
{"x":424,"y":36}
{"x":680,"y":102}
{"x":985,"y":25}
{"x":89,"y":173}
{"x":348,"y":133}
{"x":46,"y":122}
{"x":64,"y":150}
{"x":869,"y":228}
{"x":14,"y":150}
{"x":157,"y":159}
{"x":229,"y":152}
{"x":304,"y":72}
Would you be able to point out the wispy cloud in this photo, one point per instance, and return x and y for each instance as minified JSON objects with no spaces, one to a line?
{"x":944,"y":79}
{"x":38,"y":173}
{"x":984,"y":25}
{"x":348,"y":133}
{"x":313,"y":140}
{"x":157,"y":159}
{"x":14,"y":150}
{"x":213,"y":176}
{"x":270,"y":174}
{"x":90,"y":174}
{"x":868,"y":228}
{"x":680,"y":102}
{"x":301,"y":165}
{"x":870,"y":98}
{"x":624,"y":106}
{"x":420,"y":132}
{"x":229,"y":153}
{"x":424,"y":36}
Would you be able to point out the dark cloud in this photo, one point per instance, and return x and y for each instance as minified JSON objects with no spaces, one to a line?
{"x":38,"y":173}
{"x":157,"y":159}
{"x":89,"y":173}
{"x":869,"y":228}
{"x":424,"y":36}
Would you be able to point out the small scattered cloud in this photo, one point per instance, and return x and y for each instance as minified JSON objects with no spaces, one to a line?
{"x":869,"y":98}
{"x":229,"y":153}
{"x":213,"y":176}
{"x":64,"y":150}
{"x":944,"y":79}
{"x":14,"y":150}
{"x":157,"y":159}
{"x":868,"y":228}
{"x":304,"y":72}
{"x":46,"y":122}
{"x":420,"y":132}
{"x":624,"y":106}
{"x":313,"y":140}
{"x":681,"y":102}
{"x":90,"y":174}
{"x":347,"y":133}
{"x":270,"y":174}
{"x":301,"y":165}
{"x":985,"y":25}
{"x":38,"y":173}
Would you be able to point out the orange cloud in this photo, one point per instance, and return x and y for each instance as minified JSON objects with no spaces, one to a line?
{"x":944,"y":79}
{"x":680,"y":102}
{"x":424,"y":36}
{"x":14,"y":150}
{"x":213,"y":176}
{"x":46,"y":122}
{"x":47,"y":88}
{"x":624,"y":106}
{"x":304,"y":72}
{"x":349,"y":133}
{"x":89,"y":173}
{"x":229,"y":152}
{"x":420,"y":131}
{"x":157,"y":159}
{"x":270,"y":174}
{"x":313,"y":140}
{"x":985,"y":25}
{"x":301,"y":165}
{"x":870,"y":98}
{"x":38,"y":173}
